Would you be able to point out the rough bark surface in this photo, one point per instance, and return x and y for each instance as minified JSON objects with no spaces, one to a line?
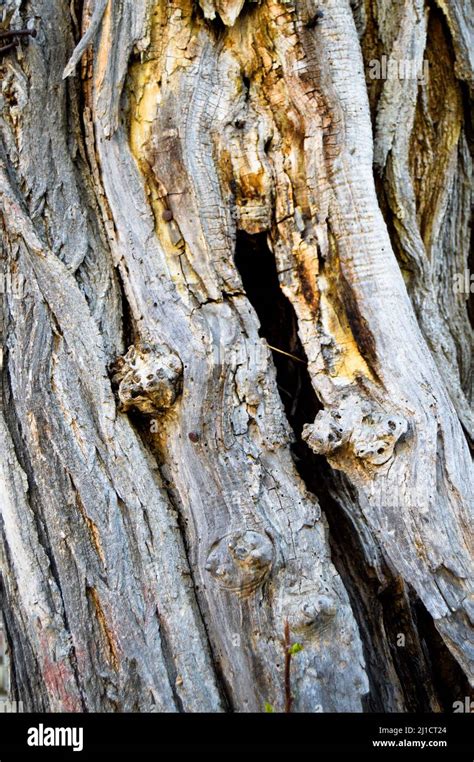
{"x":237,"y":380}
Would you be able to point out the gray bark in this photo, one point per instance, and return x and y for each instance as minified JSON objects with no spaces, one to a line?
{"x":164,"y":511}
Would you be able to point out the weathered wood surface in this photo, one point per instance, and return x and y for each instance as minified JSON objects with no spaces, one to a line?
{"x":157,"y":533}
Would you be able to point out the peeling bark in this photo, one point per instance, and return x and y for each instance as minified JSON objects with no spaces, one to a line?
{"x":218,"y":323}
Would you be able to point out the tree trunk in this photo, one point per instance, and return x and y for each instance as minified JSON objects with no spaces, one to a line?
{"x":236,"y":372}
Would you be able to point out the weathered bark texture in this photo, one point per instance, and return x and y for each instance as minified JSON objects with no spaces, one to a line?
{"x":237,"y":380}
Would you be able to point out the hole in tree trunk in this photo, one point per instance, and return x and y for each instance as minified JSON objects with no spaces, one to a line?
{"x":279,"y":326}
{"x":421,"y":675}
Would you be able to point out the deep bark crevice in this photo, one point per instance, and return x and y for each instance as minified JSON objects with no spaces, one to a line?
{"x":127,"y":322}
{"x":423,"y":680}
{"x":171,"y":670}
{"x":279,"y":326}
{"x":448,"y":678}
{"x":141,"y":425}
{"x":218,"y":672}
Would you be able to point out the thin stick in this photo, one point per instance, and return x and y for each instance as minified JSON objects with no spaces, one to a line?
{"x":19,"y":33}
{"x":275,"y":349}
{"x":6,"y":48}
{"x":288,"y":696}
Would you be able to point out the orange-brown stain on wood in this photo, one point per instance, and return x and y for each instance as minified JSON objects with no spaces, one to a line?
{"x":92,"y":529}
{"x":354,"y":350}
{"x":308,"y":280}
{"x":108,"y":638}
{"x":104,"y":48}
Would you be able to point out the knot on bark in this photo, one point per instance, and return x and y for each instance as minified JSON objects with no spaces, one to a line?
{"x":147,"y":378}
{"x":358,"y":429}
{"x":311,"y":612}
{"x":241,"y":561}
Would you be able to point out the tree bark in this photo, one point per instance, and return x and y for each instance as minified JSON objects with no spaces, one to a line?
{"x":237,"y":378}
